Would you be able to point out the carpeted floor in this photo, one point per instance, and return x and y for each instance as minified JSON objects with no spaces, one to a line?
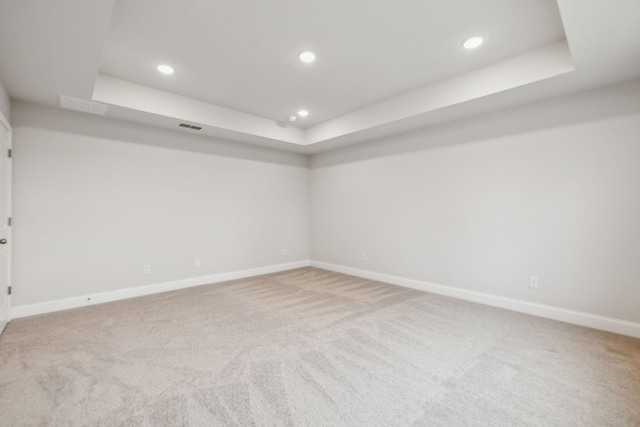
{"x":311,"y":347}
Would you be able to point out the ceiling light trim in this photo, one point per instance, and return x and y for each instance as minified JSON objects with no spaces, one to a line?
{"x":307,"y":56}
{"x":473,"y":42}
{"x":165,"y":69}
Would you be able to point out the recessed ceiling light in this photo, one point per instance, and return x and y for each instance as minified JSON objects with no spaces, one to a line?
{"x":307,"y":57}
{"x":472,"y":42}
{"x":303,"y":113}
{"x":165,"y":69}
{"x":292,"y":118}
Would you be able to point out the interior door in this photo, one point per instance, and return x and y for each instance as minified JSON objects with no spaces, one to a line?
{"x":5,"y":213}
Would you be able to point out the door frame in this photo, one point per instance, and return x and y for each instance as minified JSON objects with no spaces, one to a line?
{"x":8,"y":172}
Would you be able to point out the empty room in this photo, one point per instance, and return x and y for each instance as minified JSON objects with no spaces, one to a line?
{"x":319,"y":213}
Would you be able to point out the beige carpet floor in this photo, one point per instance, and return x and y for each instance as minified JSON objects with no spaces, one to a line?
{"x":310,"y":347}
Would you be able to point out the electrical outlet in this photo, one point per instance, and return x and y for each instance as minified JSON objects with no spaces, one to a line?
{"x":197,"y":262}
{"x":534,"y":282}
{"x":285,"y":252}
{"x":146,"y":269}
{"x":365,"y":258}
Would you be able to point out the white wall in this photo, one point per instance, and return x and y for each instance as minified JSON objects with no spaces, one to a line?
{"x":5,"y":104}
{"x":549,"y":190}
{"x":95,"y":199}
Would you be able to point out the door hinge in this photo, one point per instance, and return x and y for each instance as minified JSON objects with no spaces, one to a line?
{"x":9,"y":290}
{"x":8,"y":222}
{"x":9,"y":153}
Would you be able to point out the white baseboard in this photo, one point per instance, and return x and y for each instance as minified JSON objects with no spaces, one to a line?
{"x":90,"y":299}
{"x":609,"y":324}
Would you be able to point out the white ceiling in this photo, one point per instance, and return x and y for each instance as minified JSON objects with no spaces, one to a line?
{"x":382,"y":67}
{"x":243,"y":55}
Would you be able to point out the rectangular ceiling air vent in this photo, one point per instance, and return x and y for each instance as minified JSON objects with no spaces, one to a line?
{"x":82,"y":105}
{"x":184,"y":125}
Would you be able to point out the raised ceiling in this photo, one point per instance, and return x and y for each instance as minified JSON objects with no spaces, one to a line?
{"x":382,"y":67}
{"x":243,"y":55}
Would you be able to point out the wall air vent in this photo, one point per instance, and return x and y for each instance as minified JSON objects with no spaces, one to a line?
{"x":184,"y":125}
{"x":82,"y":105}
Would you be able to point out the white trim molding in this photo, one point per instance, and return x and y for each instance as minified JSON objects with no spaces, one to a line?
{"x":594,"y":321}
{"x":99,"y":298}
